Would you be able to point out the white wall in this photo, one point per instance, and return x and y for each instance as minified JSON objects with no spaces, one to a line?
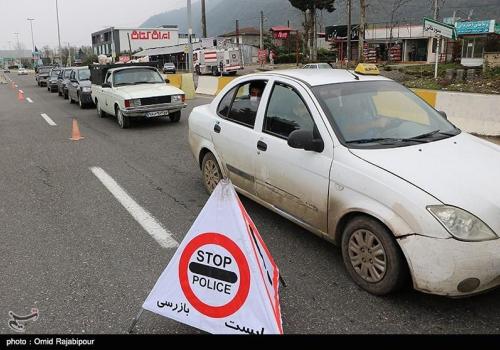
{"x":475,"y":113}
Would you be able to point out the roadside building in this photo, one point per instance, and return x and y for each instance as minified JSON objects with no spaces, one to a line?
{"x":115,"y":42}
{"x":396,"y":42}
{"x":478,"y":37}
{"x":247,"y":36}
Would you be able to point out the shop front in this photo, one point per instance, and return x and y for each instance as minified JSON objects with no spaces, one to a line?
{"x":475,"y":36}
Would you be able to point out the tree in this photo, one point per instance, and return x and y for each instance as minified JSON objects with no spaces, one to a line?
{"x":310,"y":7}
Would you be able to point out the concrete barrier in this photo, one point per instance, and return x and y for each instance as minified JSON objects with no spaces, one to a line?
{"x":223,"y":81}
{"x":474,"y":113}
{"x":175,"y":79}
{"x":187,"y":85}
{"x":207,"y":85}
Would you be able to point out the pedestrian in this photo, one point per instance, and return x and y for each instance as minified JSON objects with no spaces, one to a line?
{"x":271,"y":57}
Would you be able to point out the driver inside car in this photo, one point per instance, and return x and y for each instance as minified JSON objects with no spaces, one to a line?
{"x":357,"y":118}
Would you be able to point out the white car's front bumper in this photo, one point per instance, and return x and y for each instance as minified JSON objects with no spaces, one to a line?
{"x":451,"y":267}
{"x":144,"y":110}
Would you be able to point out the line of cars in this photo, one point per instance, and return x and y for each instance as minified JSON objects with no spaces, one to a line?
{"x":125,"y":91}
{"x":71,"y":83}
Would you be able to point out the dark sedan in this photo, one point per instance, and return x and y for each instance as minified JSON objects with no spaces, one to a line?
{"x":42,"y":75}
{"x":63,"y":81}
{"x":79,"y":87}
{"x":52,"y":80}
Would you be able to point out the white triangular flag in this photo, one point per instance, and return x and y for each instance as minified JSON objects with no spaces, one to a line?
{"x":222,"y":279}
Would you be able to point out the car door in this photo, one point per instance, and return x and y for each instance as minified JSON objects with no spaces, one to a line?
{"x":295,"y":181}
{"x":106,"y":94}
{"x":72,"y":86}
{"x":234,"y":134}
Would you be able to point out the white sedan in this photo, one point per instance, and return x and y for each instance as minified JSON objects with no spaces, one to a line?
{"x":22,"y":71}
{"x":366,"y":164}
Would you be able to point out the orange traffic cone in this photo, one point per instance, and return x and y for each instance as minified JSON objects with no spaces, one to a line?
{"x":75,"y":134}
{"x":20,"y":95}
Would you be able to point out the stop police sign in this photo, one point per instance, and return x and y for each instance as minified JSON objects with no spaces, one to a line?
{"x":214,"y":275}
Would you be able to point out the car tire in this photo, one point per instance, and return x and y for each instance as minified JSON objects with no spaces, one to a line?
{"x":71,"y":101}
{"x":123,"y":121}
{"x":66,"y":95}
{"x":215,"y":71}
{"x":59,"y":92}
{"x":211,"y":172}
{"x":372,"y":256}
{"x":80,"y":103}
{"x":175,"y":117}
{"x":100,"y":112}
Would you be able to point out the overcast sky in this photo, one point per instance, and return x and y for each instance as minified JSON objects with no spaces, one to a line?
{"x":78,"y":19}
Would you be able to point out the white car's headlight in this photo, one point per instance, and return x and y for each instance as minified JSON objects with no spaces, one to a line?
{"x":461,"y":224}
{"x":177,"y":98}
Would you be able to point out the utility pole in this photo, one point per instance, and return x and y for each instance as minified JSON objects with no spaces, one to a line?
{"x":349,"y":30}
{"x":32,"y":37}
{"x":438,"y":38}
{"x":315,"y":34}
{"x":237,"y":33}
{"x":362,"y":21}
{"x":436,"y":10}
{"x":190,"y":33}
{"x":203,"y":19}
{"x":18,"y":47}
{"x":262,"y":30}
{"x":58,"y":32}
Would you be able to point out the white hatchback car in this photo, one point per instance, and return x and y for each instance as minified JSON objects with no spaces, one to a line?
{"x":365,"y":163}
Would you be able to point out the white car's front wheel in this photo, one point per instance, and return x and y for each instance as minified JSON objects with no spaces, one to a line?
{"x":372,"y":257}
{"x":123,"y":121}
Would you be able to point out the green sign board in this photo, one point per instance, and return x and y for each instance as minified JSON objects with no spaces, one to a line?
{"x":439,"y":28}
{"x":476,"y":27}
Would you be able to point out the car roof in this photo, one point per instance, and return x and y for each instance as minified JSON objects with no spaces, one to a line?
{"x":323,"y":77}
{"x":135,"y":67}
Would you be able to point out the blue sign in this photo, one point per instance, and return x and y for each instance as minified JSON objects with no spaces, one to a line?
{"x":477,"y":27}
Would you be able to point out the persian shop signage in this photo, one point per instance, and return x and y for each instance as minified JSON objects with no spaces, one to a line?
{"x":149,"y":35}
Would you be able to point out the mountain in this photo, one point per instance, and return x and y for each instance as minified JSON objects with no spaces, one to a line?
{"x":221,"y":14}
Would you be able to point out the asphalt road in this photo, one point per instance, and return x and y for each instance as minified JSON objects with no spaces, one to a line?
{"x":70,"y":249}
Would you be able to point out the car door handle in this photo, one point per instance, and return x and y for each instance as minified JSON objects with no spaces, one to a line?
{"x":217,"y":128}
{"x":261,"y":146}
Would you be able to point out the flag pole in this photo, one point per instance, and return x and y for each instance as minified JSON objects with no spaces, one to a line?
{"x":134,"y":321}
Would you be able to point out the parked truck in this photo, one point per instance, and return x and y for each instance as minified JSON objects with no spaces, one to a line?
{"x":129,"y":91}
{"x":217,"y":60}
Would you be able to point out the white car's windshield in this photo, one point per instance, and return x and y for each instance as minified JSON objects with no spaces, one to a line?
{"x":137,"y":76}
{"x":381,"y":112}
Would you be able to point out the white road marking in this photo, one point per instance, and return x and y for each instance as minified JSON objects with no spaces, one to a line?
{"x":48,"y":120}
{"x":145,"y":219}
{"x":29,"y":100}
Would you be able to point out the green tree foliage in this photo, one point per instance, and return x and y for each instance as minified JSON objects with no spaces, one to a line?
{"x":304,"y":5}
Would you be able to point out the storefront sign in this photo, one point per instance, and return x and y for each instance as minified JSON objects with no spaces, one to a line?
{"x":150,"y":35}
{"x":438,"y":29}
{"x":280,"y":34}
{"x":477,"y":27}
{"x":340,"y":32}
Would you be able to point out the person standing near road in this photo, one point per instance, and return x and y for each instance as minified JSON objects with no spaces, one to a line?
{"x":271,"y":57}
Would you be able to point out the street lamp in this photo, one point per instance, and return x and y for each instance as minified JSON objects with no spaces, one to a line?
{"x":58,"y":31}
